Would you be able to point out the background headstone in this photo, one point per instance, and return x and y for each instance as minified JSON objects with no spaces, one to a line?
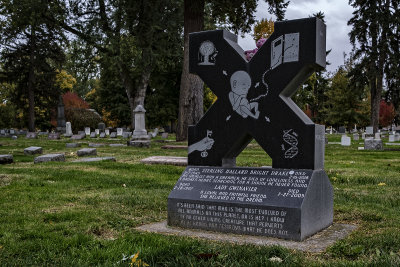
{"x":101,"y":126}
{"x":6,"y":159}
{"x":31,"y":135}
{"x":119,"y":131}
{"x":107,"y":131}
{"x":87,"y":131}
{"x":154,"y":133}
{"x":377,"y":135}
{"x":54,"y":136}
{"x":49,"y":157}
{"x":140,"y":132}
{"x":93,"y":135}
{"x":61,"y":125}
{"x":97,"y":131}
{"x":126,"y":134}
{"x":32,"y":150}
{"x":356,"y":137}
{"x":369,"y":130}
{"x":164,"y":135}
{"x":391,"y":138}
{"x":102,"y":135}
{"x":113,"y":135}
{"x":342,"y":130}
{"x":68,"y":129}
{"x":78,"y":136}
{"x":86,"y":152}
{"x":345,"y":140}
{"x":373,"y":144}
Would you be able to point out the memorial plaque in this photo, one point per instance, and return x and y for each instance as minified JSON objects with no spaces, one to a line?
{"x":258,"y":201}
{"x":292,"y":200}
{"x":54,"y":136}
{"x":31,"y":135}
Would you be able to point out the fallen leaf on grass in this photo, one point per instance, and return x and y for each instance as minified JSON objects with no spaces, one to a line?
{"x":275,"y":259}
{"x":380,"y":184}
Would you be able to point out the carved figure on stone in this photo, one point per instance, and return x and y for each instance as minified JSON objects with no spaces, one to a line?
{"x":207,"y":53}
{"x":240,"y":85}
{"x":203,"y":145}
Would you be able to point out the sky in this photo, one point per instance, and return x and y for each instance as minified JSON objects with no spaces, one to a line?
{"x":337,"y":14}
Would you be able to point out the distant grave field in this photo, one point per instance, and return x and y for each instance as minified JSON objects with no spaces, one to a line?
{"x":85,"y":213}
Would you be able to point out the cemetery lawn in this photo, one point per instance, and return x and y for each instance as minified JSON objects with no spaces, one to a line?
{"x":84,"y":214}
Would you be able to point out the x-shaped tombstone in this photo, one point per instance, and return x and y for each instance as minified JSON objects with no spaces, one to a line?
{"x":254,"y":97}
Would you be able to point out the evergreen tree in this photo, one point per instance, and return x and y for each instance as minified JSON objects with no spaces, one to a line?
{"x":375,"y":25}
{"x":31,"y":51}
{"x":346,"y":102}
{"x":130,"y":34}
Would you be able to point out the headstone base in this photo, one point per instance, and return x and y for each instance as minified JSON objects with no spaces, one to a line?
{"x":373,"y":144}
{"x":49,"y":157}
{"x":282,"y":203}
{"x":6,"y":159}
{"x":139,"y":143}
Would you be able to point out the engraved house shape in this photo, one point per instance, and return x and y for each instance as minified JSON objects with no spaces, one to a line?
{"x":254,"y":97}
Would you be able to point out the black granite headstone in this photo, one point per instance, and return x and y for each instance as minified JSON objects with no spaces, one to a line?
{"x":254,"y":97}
{"x":284,"y":203}
{"x":292,"y":200}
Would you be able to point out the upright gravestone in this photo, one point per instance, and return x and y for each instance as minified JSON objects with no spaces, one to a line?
{"x":345,"y":140}
{"x":61,"y":125}
{"x":68,"y":129}
{"x":97,"y":131}
{"x":140,"y":131}
{"x":87,"y":131}
{"x":119,"y":131}
{"x":369,"y":130}
{"x":356,"y":137}
{"x":101,"y":126}
{"x":140,"y":137}
{"x":292,"y":200}
{"x":107,"y":131}
{"x":342,"y":130}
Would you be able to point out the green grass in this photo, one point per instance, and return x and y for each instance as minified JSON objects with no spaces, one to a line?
{"x":84,"y":214}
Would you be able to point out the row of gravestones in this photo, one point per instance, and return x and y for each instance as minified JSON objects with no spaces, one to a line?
{"x":370,"y":143}
{"x":34,"y":150}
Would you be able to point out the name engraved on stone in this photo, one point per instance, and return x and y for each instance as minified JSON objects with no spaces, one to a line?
{"x":243,"y":185}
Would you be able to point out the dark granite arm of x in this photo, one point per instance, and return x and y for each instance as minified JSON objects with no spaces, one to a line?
{"x":254,"y":97}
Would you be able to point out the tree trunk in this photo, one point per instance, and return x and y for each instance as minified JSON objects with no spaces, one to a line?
{"x":31,"y":81}
{"x":141,"y":89}
{"x":191,"y":91}
{"x":128,"y":86}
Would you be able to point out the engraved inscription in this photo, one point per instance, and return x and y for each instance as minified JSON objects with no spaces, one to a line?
{"x":229,"y":218}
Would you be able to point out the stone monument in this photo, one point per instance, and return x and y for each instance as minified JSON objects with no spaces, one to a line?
{"x":140,"y":138}
{"x":68,"y":129}
{"x":292,"y":200}
{"x":60,"y":116}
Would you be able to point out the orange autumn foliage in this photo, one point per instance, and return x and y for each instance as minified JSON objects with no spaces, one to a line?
{"x":72,"y":100}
